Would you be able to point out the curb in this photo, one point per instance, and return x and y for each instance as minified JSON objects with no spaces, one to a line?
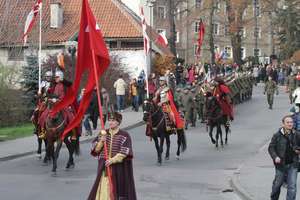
{"x":240,"y":191}
{"x":87,"y":140}
{"x":234,"y":181}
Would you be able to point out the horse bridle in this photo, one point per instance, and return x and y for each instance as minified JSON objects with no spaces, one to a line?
{"x":55,"y":128}
{"x":150,"y":118}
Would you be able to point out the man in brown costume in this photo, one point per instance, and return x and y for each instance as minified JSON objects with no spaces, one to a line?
{"x":119,"y":152}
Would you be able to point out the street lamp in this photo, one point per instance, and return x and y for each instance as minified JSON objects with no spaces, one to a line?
{"x":256,"y":32}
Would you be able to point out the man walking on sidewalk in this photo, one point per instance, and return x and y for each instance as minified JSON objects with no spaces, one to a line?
{"x":270,"y":89}
{"x":284,"y":151}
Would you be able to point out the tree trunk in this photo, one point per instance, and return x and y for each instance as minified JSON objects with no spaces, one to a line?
{"x":211,"y":33}
{"x":171,"y":17}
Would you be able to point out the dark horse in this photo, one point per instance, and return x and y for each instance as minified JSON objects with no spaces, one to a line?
{"x":215,"y":118}
{"x":55,"y":127}
{"x":156,"y":128}
{"x":41,"y":136}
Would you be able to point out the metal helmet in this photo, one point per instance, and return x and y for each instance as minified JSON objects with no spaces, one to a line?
{"x":48,"y":74}
{"x":162,"y":78}
{"x":59,"y":74}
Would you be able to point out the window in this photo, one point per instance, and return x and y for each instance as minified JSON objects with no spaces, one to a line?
{"x":258,"y":8}
{"x":257,"y":32}
{"x":217,"y":49}
{"x":197,"y":24}
{"x":243,"y":52}
{"x":258,"y":52}
{"x":216,"y":29}
{"x":243,"y":32}
{"x":177,"y":37}
{"x":228,"y":52}
{"x":226,"y":30}
{"x":198,"y":3}
{"x":161,"y":12}
{"x":177,"y":14}
{"x":15,"y":54}
{"x":163,"y":31}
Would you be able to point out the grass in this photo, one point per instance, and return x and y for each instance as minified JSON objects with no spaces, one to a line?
{"x":13,"y":132}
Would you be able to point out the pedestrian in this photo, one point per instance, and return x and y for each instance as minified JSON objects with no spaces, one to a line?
{"x":270,"y":89}
{"x":291,"y":84}
{"x":151,"y":85}
{"x":133,"y":95}
{"x":119,"y":160}
{"x":255,"y":74}
{"x":284,"y":152}
{"x":120,"y":86}
{"x":141,"y":86}
{"x":296,"y":96}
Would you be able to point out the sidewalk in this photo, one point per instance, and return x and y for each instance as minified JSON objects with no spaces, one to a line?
{"x":253,"y":181}
{"x":25,"y":146}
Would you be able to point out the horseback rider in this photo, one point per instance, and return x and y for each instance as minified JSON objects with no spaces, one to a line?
{"x":221,"y":92}
{"x":54,"y":95}
{"x":164,"y":98}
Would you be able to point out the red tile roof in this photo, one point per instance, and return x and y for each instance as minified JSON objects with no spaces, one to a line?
{"x":113,"y":18}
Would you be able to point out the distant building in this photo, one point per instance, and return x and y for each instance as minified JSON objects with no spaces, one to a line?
{"x":188,"y":15}
{"x":120,"y":27}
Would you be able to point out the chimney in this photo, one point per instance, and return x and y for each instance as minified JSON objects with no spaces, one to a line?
{"x":56,"y":15}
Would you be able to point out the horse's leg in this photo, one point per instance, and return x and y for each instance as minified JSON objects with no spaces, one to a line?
{"x":39,"y":151}
{"x":211,"y":128}
{"x":168,"y":142}
{"x":217,"y":136}
{"x":71,"y":148}
{"x":155,"y":138}
{"x":56,"y":154}
{"x":49,"y":151}
{"x":178,"y":144}
{"x":227,"y":129}
{"x":220,"y":134}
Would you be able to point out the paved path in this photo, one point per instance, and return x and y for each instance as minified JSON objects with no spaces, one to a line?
{"x":203,"y":172}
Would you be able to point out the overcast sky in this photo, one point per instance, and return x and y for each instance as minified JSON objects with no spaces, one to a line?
{"x":132,"y":4}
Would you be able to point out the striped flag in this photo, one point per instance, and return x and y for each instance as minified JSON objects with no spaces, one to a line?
{"x":30,"y":20}
{"x":146,"y":37}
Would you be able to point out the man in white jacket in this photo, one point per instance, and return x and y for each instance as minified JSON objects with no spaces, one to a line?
{"x":296,"y":96}
{"x":120,"y":86}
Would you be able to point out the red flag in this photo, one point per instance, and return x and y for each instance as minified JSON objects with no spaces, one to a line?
{"x":30,"y":20}
{"x":89,"y":40}
{"x":162,"y":40}
{"x":145,"y":35}
{"x":201,"y":33}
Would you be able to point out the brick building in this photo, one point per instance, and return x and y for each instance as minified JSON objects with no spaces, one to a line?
{"x":188,"y":14}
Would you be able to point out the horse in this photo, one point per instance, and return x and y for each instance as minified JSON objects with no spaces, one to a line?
{"x":55,"y":126}
{"x":156,"y":128}
{"x":40,"y":133}
{"x":216,"y":118}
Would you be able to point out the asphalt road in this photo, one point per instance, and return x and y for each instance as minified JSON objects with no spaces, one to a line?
{"x":203,"y":172}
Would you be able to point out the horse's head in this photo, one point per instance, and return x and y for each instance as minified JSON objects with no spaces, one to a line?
{"x":148,"y":109}
{"x":55,"y":124}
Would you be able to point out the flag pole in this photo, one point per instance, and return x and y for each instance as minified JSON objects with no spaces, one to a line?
{"x":146,"y":74}
{"x":40,"y":49}
{"x":108,"y":169}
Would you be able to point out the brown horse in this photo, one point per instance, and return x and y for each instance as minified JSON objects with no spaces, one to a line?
{"x":154,"y":115}
{"x":38,"y":131}
{"x":55,"y":127}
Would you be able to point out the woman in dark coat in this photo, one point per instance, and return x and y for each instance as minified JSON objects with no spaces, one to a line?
{"x":119,"y":150}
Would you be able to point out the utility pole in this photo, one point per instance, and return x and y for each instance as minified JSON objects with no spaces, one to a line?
{"x":256,"y":31}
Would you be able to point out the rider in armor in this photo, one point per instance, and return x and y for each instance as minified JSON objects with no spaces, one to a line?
{"x":56,"y":94}
{"x":164,"y":98}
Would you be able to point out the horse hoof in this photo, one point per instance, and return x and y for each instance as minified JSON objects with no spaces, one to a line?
{"x":70,"y":166}
{"x":177,"y":158}
{"x":39,"y":156}
{"x":167,"y":158}
{"x":213,"y":141}
{"x":158,"y":164}
{"x":54,"y":174}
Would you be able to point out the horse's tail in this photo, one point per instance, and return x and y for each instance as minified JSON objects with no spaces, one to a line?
{"x":77,"y":146}
{"x":182,"y":140}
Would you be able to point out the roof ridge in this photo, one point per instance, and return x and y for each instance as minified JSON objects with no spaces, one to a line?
{"x":129,"y":14}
